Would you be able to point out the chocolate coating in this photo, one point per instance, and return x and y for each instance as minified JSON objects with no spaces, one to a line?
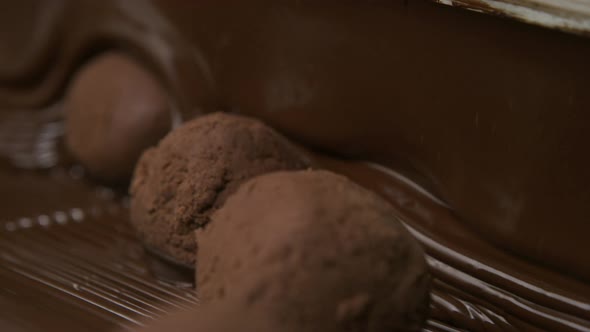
{"x":114,"y":109}
{"x":317,"y":253}
{"x":178,"y":184}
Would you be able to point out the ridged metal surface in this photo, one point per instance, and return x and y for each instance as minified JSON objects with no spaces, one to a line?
{"x":81,"y":266}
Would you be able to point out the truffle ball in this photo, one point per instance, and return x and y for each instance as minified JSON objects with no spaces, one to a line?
{"x":316,"y":252}
{"x":179,"y":183}
{"x":114,"y":109}
{"x":219,"y":317}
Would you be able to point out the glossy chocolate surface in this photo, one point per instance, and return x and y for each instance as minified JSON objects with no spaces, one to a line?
{"x":486,"y":119}
{"x":496,"y":128}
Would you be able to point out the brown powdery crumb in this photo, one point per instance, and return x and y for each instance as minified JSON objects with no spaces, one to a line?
{"x":181,"y":182}
{"x":314,"y":252}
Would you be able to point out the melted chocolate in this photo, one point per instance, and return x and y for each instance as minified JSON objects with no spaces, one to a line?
{"x":495,"y":129}
{"x":485,"y":118}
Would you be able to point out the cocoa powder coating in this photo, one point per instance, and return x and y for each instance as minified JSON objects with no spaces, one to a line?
{"x":179,"y":183}
{"x":316,"y":252}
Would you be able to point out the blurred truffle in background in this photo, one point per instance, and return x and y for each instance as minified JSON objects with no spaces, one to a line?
{"x":114,"y":109}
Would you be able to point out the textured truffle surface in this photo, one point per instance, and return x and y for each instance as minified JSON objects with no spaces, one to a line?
{"x":317,"y":253}
{"x":114,"y":110}
{"x":219,"y":317}
{"x":179,"y":183}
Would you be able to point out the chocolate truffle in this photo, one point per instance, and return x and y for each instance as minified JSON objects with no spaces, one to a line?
{"x":219,"y":317}
{"x":114,"y":109}
{"x":179,"y":183}
{"x":316,"y":252}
